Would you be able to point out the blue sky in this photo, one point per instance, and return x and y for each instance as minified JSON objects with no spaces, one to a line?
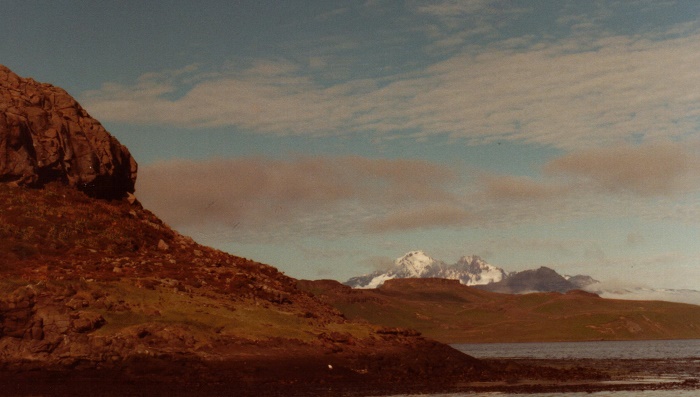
{"x":327,"y":138}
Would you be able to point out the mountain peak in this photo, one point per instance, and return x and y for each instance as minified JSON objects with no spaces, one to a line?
{"x":414,"y":263}
{"x":469,"y":270}
{"x":472,"y":270}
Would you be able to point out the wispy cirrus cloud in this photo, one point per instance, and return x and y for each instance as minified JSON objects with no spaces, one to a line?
{"x":453,"y":23}
{"x":566,"y":94}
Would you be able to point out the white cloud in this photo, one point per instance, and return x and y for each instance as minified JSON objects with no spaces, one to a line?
{"x":563,"y":94}
{"x":649,"y":294}
{"x":615,"y":289}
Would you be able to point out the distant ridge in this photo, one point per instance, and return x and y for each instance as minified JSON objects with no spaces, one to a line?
{"x":469,"y":270}
{"x":451,"y":312}
{"x":476,"y":272}
{"x":543,"y":279}
{"x":473,"y":271}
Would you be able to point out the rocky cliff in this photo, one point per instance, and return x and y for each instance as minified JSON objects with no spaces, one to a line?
{"x":100,"y":297}
{"x":45,"y":135}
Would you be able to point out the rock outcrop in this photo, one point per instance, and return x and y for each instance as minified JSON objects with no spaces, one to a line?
{"x":45,"y":135}
{"x":543,"y":279}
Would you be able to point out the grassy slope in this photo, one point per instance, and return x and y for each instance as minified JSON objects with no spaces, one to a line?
{"x":453,"y":313}
{"x":105,"y":256}
{"x":89,"y":285}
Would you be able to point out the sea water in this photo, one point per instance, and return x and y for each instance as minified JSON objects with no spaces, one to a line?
{"x":668,"y":349}
{"x":644,"y":393}
{"x":656,"y":349}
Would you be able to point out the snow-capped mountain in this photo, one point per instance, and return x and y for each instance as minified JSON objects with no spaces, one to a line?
{"x":469,"y":270}
{"x":415,"y":264}
{"x":474,"y":271}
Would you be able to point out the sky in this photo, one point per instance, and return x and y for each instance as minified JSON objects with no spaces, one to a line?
{"x":328,"y":138}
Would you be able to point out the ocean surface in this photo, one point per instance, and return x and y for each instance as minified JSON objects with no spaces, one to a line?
{"x":669,"y":349}
{"x":645,"y":393}
{"x":600,"y":350}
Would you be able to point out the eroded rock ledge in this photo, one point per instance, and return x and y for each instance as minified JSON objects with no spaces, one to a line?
{"x":45,"y":135}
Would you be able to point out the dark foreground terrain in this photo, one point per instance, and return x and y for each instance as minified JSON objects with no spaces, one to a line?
{"x":314,"y":376}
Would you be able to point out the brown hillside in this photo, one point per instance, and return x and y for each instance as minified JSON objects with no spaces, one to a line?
{"x":89,"y":284}
{"x":450,"y":312}
{"x":94,"y":284}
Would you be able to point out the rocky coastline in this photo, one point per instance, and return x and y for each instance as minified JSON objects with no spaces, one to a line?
{"x":313,"y":376}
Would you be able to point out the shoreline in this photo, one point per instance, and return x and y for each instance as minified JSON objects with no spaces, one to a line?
{"x":312,"y":377}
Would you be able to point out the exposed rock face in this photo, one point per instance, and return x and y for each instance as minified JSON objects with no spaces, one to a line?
{"x":45,"y":135}
{"x":542,"y":279}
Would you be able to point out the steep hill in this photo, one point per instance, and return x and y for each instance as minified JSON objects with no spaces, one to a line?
{"x":88,"y":284}
{"x":94,"y":284}
{"x":451,"y":312}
